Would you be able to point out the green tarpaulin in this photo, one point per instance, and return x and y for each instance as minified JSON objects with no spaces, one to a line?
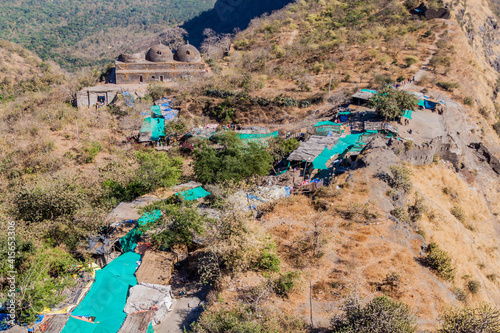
{"x":154,"y":125}
{"x":407,"y":114}
{"x":129,"y":241}
{"x":327,"y":123}
{"x":194,"y":194}
{"x":244,"y":136}
{"x":107,"y":297}
{"x":339,"y":148}
{"x":369,"y":91}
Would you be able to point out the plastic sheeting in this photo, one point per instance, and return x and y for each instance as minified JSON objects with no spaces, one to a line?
{"x":145,"y":296}
{"x":107,"y":297}
{"x":407,"y":114}
{"x":129,"y":241}
{"x":341,"y":147}
{"x":194,"y":194}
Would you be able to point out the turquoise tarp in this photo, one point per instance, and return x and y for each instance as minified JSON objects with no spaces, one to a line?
{"x":194,"y":194}
{"x":327,"y":123}
{"x":129,"y":241}
{"x":244,"y":136}
{"x":407,"y":114}
{"x":340,"y":147}
{"x":369,"y":91}
{"x":107,"y":297}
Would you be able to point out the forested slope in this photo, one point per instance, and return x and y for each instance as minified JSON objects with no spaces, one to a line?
{"x":79,"y":33}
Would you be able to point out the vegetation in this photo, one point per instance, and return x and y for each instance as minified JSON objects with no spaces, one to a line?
{"x":391,"y":103}
{"x":235,"y":162}
{"x":78,"y":33}
{"x":483,"y":318}
{"x":380,"y":315}
{"x":448,"y":86}
{"x":401,"y":177}
{"x":244,"y":319}
{"x":440,"y":262}
{"x":473,"y":286}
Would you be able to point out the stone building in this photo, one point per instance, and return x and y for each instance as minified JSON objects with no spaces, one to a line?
{"x":159,"y":64}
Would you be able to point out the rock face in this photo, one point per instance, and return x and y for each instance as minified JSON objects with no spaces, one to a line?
{"x":228,"y":15}
{"x":429,"y":13}
{"x":445,"y":148}
{"x":486,"y":156}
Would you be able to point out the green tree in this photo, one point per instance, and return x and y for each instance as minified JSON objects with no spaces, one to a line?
{"x":481,"y":319}
{"x":401,"y":177}
{"x":391,"y":103}
{"x":440,"y":262}
{"x":280,"y":147}
{"x":381,"y":315}
{"x":179,"y":225}
{"x":236,"y":161}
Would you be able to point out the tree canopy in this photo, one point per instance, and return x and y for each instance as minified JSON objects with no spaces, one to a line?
{"x":236,"y":161}
{"x":391,"y":103}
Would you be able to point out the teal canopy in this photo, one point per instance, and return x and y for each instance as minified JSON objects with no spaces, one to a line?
{"x":194,"y":194}
{"x":407,"y":114}
{"x":107,"y":297}
{"x":327,"y":123}
{"x":369,"y":91}
{"x":129,"y":241}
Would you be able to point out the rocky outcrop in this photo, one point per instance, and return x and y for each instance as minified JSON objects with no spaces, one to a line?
{"x":486,"y":156}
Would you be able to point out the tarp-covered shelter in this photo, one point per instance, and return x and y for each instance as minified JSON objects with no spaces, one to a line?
{"x":145,"y":296}
{"x":328,"y":128}
{"x":129,"y":241}
{"x":152,"y":129}
{"x":363,"y":96}
{"x":107,"y":297}
{"x":309,"y":150}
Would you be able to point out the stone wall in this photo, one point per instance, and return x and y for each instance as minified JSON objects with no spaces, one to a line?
{"x":445,"y":148}
{"x":148,"y":72}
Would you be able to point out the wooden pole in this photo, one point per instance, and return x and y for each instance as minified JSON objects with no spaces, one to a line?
{"x":77,"y":134}
{"x":311,"y":303}
{"x":330,"y":85}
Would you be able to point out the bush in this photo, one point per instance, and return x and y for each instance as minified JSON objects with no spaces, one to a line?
{"x":474,"y":286}
{"x":459,"y":213}
{"x":401,"y":177}
{"x":268,"y":260}
{"x":440,"y":262}
{"x":496,"y":127}
{"x":90,"y":151}
{"x":468,"y":101}
{"x":483,"y":318}
{"x":51,"y":202}
{"x":460,"y":294}
{"x":382,"y":315}
{"x":285,"y":283}
{"x":410,"y":60}
{"x":244,"y":319}
{"x":448,"y":86}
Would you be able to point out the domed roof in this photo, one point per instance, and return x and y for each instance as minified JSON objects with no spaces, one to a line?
{"x":136,"y":57}
{"x":159,"y":53}
{"x":187,"y":53}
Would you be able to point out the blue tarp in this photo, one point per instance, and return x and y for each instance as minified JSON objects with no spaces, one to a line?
{"x":430,"y":105}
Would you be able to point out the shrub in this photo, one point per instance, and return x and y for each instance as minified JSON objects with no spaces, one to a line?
{"x":496,"y":127}
{"x":460,"y":294}
{"x":492,"y":277}
{"x":409,"y":145}
{"x":382,"y":314}
{"x":474,"y":286}
{"x":400,"y":214}
{"x":244,"y":319}
{"x":90,"y":151}
{"x":417,"y":209}
{"x":448,"y":86}
{"x":268,"y":260}
{"x":483,"y":318}
{"x":285,"y":283}
{"x":410,"y":60}
{"x":468,"y":101}
{"x":440,"y":262}
{"x":401,"y":177}
{"x":459,"y":213}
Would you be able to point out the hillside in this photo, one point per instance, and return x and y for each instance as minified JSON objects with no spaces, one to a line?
{"x":398,"y":231}
{"x":81,"y":33}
